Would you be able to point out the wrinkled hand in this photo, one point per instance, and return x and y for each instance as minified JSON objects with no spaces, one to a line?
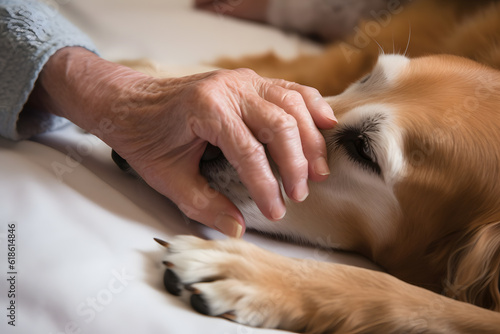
{"x":162,"y":126}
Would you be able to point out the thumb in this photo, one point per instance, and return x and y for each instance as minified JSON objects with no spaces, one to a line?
{"x":197,"y":200}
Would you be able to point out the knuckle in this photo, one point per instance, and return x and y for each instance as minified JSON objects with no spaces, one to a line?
{"x":207,"y":95}
{"x":218,"y":77}
{"x":314,"y":145}
{"x":245,"y":71}
{"x":311,"y":90}
{"x":292,"y":98}
{"x":282,"y":83}
{"x":284,"y":123}
{"x":294,"y":169}
{"x":203,"y":90}
{"x":315,"y":138}
{"x":251,"y":152}
{"x":301,"y":166}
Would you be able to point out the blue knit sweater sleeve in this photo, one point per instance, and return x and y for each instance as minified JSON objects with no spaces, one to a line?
{"x":30,"y":32}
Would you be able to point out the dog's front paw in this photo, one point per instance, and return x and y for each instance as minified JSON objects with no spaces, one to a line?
{"x":236,"y":280}
{"x":241,"y":282}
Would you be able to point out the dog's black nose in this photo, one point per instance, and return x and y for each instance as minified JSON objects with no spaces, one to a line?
{"x":211,"y":153}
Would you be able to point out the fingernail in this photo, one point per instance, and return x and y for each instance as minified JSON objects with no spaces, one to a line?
{"x":327,"y":110}
{"x":331,"y":117}
{"x":278,"y":209}
{"x":228,"y":225}
{"x":321,"y":167}
{"x":301,"y":190}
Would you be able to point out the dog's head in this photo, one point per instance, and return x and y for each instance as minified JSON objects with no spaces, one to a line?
{"x":415,"y":162}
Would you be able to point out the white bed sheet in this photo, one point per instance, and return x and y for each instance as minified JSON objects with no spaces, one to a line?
{"x":85,"y":259}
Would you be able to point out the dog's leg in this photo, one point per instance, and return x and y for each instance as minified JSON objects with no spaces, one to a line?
{"x":241,"y":282}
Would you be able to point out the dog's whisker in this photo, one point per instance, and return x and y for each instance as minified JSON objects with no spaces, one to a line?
{"x":381,"y":50}
{"x":409,"y":38}
{"x":393,"y":46}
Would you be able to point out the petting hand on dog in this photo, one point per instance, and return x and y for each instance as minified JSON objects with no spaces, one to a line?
{"x":162,"y":127}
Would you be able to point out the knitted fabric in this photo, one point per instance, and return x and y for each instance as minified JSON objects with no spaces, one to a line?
{"x":30,"y":32}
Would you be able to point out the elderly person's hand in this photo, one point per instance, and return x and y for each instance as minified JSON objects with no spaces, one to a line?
{"x":162,"y":126}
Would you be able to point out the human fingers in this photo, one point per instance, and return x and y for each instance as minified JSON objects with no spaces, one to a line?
{"x":198,"y":201}
{"x":278,"y":130}
{"x":313,"y":143}
{"x":247,"y":155}
{"x":319,"y":109}
{"x":207,"y":206}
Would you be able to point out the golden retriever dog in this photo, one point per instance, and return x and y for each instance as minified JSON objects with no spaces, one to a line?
{"x":415,"y":163}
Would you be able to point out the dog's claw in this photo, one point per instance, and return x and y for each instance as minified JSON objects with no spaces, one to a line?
{"x":199,"y":304}
{"x":191,"y":289}
{"x":161,"y":242}
{"x":228,"y":316}
{"x":172,"y":283}
{"x":168,"y":264}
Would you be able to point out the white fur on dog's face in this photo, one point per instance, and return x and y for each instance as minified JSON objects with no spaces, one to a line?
{"x":358,"y":192}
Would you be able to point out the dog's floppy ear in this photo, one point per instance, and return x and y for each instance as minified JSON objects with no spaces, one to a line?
{"x":474,"y":271}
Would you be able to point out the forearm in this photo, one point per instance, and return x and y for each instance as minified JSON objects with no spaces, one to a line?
{"x":30,"y":33}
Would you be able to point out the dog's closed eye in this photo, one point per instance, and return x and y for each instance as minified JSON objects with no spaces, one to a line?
{"x":357,"y":146}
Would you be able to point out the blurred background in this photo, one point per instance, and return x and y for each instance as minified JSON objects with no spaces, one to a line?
{"x":172,"y":32}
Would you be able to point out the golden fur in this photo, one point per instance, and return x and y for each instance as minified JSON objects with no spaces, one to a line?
{"x":430,"y":218}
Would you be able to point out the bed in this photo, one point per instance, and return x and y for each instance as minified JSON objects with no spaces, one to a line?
{"x":76,"y":234}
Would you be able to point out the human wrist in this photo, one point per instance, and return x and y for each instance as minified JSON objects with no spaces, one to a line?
{"x":82,"y":87}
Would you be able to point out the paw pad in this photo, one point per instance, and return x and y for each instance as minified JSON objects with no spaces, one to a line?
{"x":172,"y":283}
{"x":199,"y":304}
